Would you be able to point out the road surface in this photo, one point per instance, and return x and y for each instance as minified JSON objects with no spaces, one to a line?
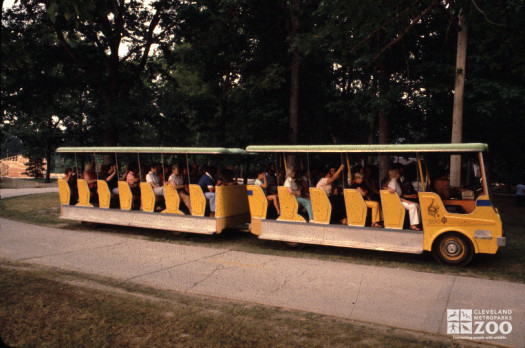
{"x":387,"y":296}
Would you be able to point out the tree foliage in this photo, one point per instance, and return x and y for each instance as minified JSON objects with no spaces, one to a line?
{"x":218,"y":73}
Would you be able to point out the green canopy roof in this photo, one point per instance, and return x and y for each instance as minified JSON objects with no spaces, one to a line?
{"x":393,"y":148}
{"x":171,"y":150}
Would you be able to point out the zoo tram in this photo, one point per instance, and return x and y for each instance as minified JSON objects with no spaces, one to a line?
{"x":452,"y":229}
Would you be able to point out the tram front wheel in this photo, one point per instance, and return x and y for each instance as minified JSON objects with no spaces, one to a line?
{"x":453,"y":249}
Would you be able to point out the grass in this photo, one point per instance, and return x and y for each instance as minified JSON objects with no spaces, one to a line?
{"x":47,"y":307}
{"x":508,"y":264}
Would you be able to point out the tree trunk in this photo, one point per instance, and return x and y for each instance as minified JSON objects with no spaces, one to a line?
{"x":383,"y":139}
{"x":293,"y":135}
{"x":49,"y":167}
{"x":459,"y":88}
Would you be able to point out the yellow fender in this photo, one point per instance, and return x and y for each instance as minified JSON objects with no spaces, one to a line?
{"x":198,"y":201}
{"x":484,"y":220}
{"x":257,"y":201}
{"x":355,"y":207}
{"x":321,"y":206}
{"x":289,"y":206}
{"x":125,"y":196}
{"x":393,"y":210}
{"x":83,"y":193}
{"x":104,"y":195}
{"x":64,"y":191}
{"x":172,"y":200}
{"x":147,"y":197}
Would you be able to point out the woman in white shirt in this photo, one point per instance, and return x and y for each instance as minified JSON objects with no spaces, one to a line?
{"x":293,"y":189}
{"x":413,"y":208}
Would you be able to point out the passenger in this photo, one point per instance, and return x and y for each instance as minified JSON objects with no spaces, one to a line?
{"x":263,"y":182}
{"x":405,"y":182}
{"x":71,"y":179}
{"x":271,"y":179}
{"x":109,"y":173}
{"x":303,"y":183}
{"x":227,"y":178}
{"x":293,"y":189}
{"x":281,"y":177}
{"x":176,"y":180}
{"x":153,"y":179}
{"x":133,"y":179}
{"x":91,"y":177}
{"x":412,"y":207}
{"x":370,"y":183}
{"x":370,"y":203}
{"x":194,"y":173}
{"x":336,"y":200}
{"x":206,"y":182}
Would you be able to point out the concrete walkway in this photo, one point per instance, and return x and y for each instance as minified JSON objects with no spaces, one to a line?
{"x":394,"y":297}
{"x":6,"y":193}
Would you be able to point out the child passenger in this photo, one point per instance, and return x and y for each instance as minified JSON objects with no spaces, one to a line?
{"x":263,"y":182}
{"x":374,"y":205}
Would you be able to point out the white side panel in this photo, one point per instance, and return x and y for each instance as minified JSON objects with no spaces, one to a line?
{"x":168,"y":222}
{"x":405,"y":241}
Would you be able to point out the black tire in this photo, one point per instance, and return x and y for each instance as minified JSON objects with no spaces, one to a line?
{"x":177,"y":234}
{"x":293,"y":245}
{"x":89,"y":224}
{"x":453,"y":249}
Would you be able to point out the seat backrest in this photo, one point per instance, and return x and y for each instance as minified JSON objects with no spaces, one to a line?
{"x":64,"y":191}
{"x":83,"y":193}
{"x":321,"y":206}
{"x":172,"y":199}
{"x":125,"y":196}
{"x":257,"y":201}
{"x":289,"y":206}
{"x":393,"y":210}
{"x":355,"y":207}
{"x":147,"y":197}
{"x":104,"y":194}
{"x":198,"y":201}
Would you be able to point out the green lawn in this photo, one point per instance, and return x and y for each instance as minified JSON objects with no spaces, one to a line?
{"x":508,"y":264}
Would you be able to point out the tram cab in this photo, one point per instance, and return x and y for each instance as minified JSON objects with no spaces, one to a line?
{"x":452,"y":229}
{"x":232,"y":209}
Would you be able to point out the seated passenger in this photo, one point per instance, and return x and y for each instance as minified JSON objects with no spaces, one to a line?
{"x":206,"y":182}
{"x":133,"y":179}
{"x":412,"y":207}
{"x":263,"y":182}
{"x":271,"y":178}
{"x":70,"y":176}
{"x":370,"y":203}
{"x":293,"y":189}
{"x":109,"y":173}
{"x":153,"y":179}
{"x":227,"y":178}
{"x":176,"y":180}
{"x":91,"y":178}
{"x":336,"y":200}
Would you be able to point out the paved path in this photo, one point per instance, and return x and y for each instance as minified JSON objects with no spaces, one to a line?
{"x":395,"y":297}
{"x":6,"y":193}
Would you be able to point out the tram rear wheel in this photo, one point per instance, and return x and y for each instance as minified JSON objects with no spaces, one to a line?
{"x":293,"y":245}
